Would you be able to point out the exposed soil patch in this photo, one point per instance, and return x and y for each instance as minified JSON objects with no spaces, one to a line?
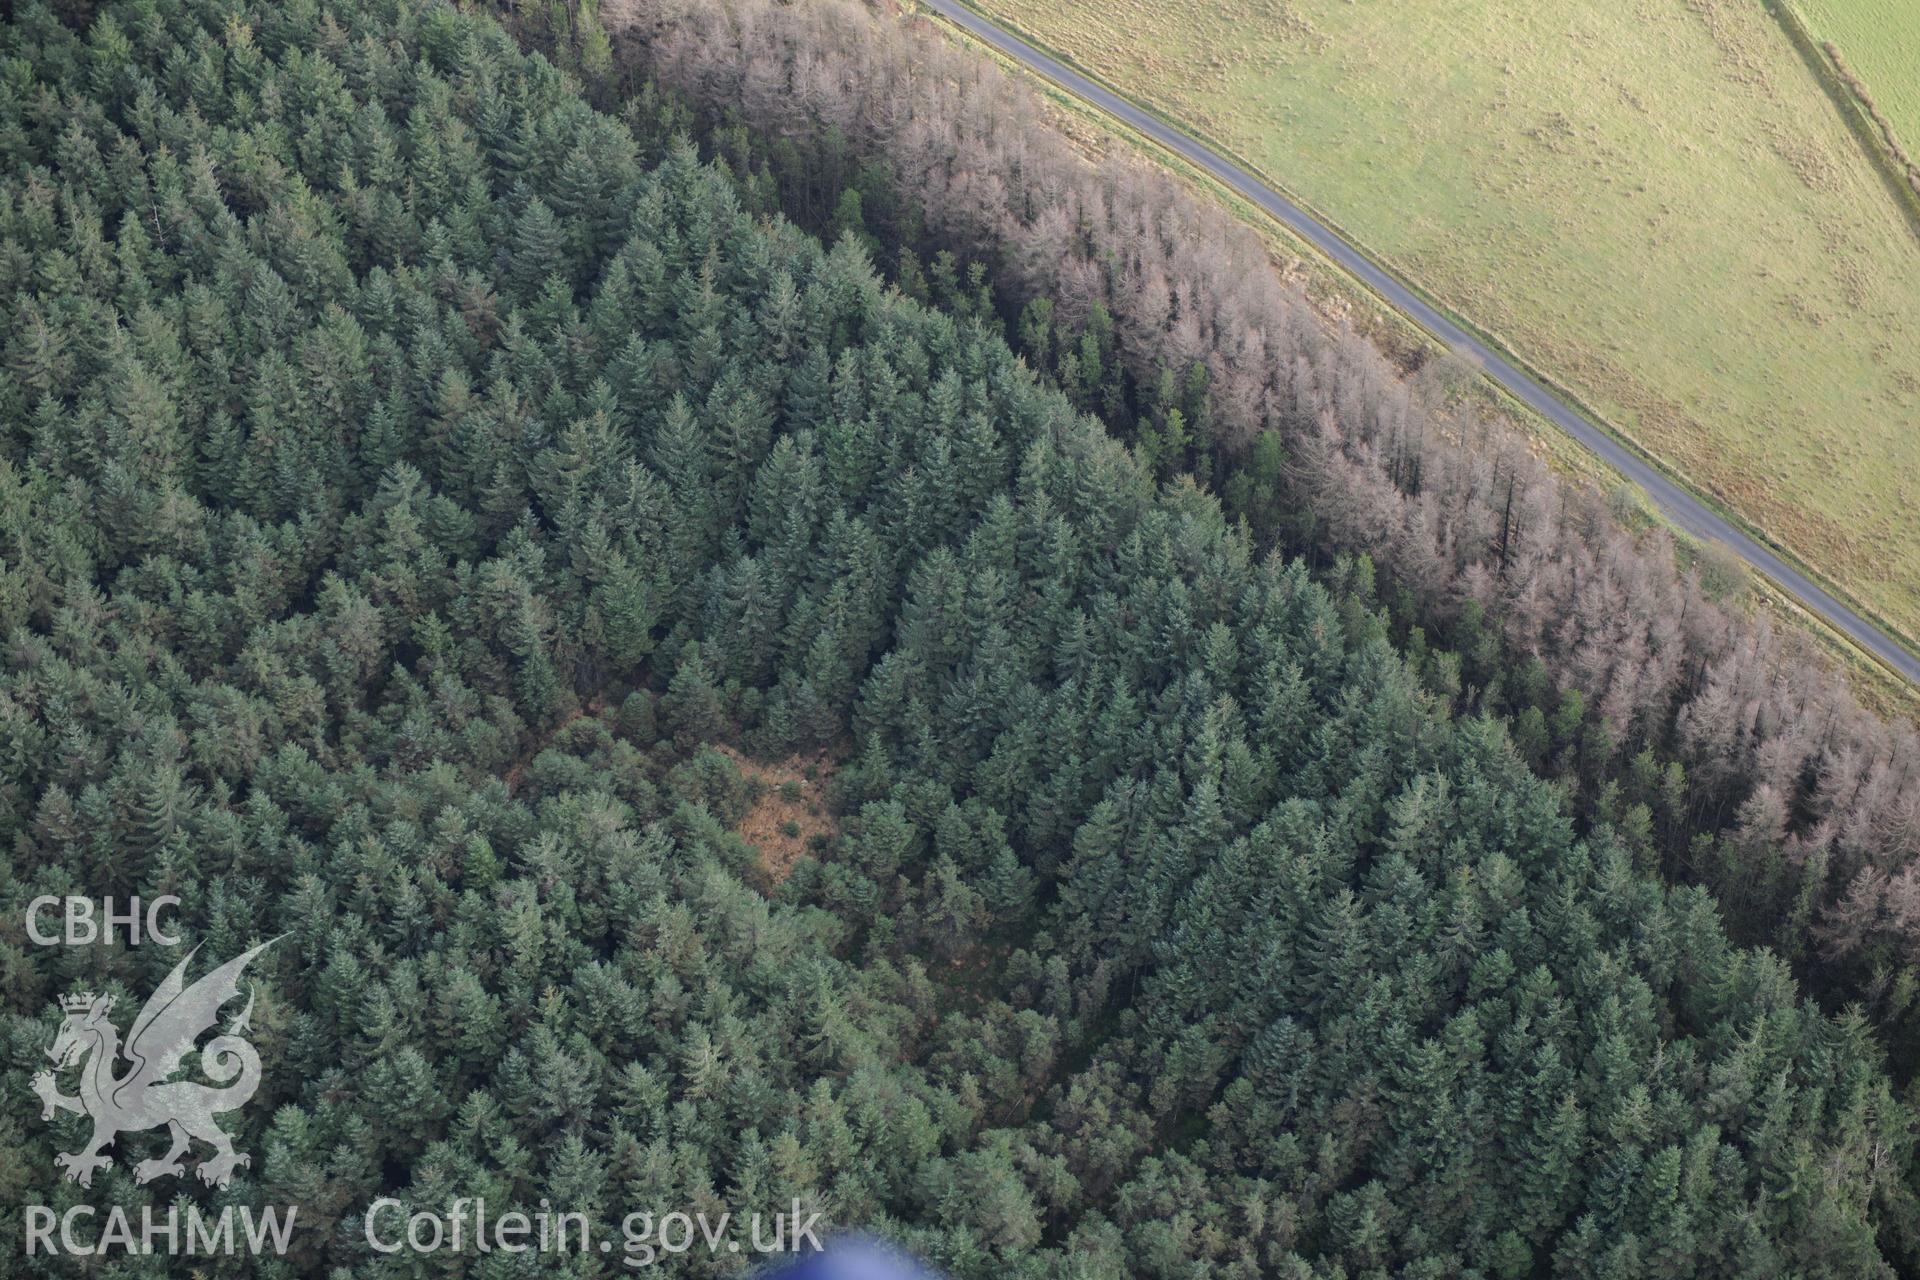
{"x":789,"y":807}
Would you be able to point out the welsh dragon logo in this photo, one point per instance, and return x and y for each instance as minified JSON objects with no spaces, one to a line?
{"x":144,"y":1097}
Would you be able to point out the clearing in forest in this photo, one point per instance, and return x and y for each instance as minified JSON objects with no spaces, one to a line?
{"x":789,"y":807}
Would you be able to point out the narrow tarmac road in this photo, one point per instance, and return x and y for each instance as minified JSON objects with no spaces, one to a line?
{"x":1681,"y":506}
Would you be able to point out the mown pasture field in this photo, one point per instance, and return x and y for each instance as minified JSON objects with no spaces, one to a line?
{"x":1880,"y":41}
{"x":1655,"y":204}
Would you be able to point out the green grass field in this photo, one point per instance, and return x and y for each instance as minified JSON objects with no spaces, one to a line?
{"x":1654,"y":203}
{"x":1880,"y":41}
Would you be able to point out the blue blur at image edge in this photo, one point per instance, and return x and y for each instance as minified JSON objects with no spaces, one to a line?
{"x":852,"y":1257}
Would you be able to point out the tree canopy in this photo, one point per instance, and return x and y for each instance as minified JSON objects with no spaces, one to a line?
{"x":414,"y":476}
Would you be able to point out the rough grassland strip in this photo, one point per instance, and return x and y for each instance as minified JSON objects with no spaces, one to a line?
{"x":1864,"y":121}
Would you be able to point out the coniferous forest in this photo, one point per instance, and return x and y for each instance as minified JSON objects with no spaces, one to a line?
{"x":444,"y":482}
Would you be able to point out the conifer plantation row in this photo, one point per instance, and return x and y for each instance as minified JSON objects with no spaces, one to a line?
{"x":414,"y":476}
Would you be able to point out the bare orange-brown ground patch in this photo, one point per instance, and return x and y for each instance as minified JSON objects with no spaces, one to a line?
{"x":789,"y":809}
